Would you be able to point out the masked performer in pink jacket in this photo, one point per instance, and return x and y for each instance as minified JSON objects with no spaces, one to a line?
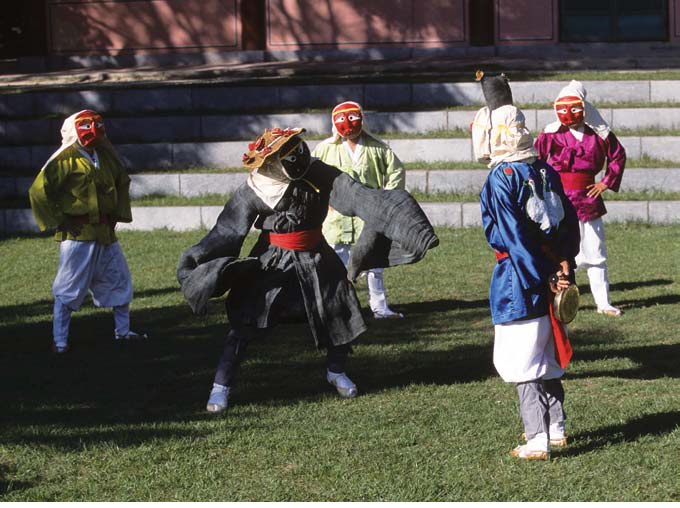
{"x":578,"y":145}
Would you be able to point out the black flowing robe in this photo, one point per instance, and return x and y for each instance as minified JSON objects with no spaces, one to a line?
{"x":272,"y":279}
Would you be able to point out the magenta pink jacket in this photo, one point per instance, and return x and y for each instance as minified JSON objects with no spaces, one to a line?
{"x":567,"y":154}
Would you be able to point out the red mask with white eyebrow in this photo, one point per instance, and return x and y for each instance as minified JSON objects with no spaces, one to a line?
{"x":89,"y":127}
{"x":570,"y":110}
{"x":348,"y":119}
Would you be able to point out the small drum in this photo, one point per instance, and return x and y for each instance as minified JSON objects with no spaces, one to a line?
{"x":565,"y":305}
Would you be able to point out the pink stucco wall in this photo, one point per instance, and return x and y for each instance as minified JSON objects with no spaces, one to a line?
{"x":115,"y":27}
{"x":295,"y":24}
{"x":526,"y":21}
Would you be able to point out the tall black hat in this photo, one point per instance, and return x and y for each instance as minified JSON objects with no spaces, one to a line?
{"x":496,"y":90}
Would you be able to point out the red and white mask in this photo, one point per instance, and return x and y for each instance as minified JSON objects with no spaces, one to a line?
{"x":348,"y":119}
{"x":89,"y":127}
{"x":570,"y":110}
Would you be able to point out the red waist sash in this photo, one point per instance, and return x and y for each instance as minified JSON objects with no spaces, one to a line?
{"x":576,"y":180}
{"x":501,"y":255}
{"x":298,"y":240}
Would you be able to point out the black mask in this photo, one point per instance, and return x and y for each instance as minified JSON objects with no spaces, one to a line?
{"x":295,"y":158}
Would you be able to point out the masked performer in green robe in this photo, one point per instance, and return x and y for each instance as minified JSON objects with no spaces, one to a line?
{"x":287,"y":196}
{"x":83,"y":191}
{"x":355,"y":150}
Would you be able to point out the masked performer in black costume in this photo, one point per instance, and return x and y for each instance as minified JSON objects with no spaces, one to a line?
{"x":291,"y":266}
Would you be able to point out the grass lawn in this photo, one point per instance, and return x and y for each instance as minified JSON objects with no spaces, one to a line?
{"x":433,"y":422}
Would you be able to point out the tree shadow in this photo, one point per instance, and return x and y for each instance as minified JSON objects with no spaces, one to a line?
{"x":657,"y":424}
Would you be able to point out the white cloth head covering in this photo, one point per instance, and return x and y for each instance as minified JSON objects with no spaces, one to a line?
{"x":591,"y":116}
{"x":69,"y":136}
{"x":269,"y":182}
{"x":502,"y":136}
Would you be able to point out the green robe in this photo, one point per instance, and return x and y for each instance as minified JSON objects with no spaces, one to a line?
{"x":71,"y":186}
{"x":377,"y":167}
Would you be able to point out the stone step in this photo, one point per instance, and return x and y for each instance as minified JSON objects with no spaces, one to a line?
{"x":124,"y":99}
{"x":213,"y":127}
{"x":161,"y":156}
{"x":431,"y":181}
{"x":185,"y":218}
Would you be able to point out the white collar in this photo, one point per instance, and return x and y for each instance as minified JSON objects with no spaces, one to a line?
{"x":354,"y":155}
{"x":93,"y":158}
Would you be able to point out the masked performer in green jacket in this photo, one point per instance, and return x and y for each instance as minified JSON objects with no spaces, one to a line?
{"x":366,"y":158}
{"x":286,"y":197}
{"x":83,"y":191}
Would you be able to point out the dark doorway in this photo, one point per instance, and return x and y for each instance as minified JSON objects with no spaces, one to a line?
{"x":23,"y":29}
{"x":613,"y":20}
{"x":253,"y":16}
{"x":481,"y":23}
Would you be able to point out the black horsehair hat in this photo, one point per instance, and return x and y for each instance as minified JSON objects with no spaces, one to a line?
{"x":496,"y":90}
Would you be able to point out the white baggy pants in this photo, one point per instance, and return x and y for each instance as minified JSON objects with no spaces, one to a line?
{"x":593,"y":257}
{"x":100,"y":269}
{"x":377,"y":295}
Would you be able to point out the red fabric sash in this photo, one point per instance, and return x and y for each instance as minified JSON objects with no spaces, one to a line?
{"x":501,"y":255}
{"x":563,"y":351}
{"x":576,"y":180}
{"x":298,"y":240}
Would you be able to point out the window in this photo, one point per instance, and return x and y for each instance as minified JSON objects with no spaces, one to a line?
{"x":613,"y":20}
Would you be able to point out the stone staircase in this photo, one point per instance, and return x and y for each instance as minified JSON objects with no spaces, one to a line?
{"x":159,"y":130}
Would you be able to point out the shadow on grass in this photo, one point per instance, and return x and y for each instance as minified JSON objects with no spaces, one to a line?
{"x":102,"y":392}
{"x":657,"y":424}
{"x":7,"y":485}
{"x":600,"y":343}
{"x":628,"y":286}
{"x":442,"y":305}
{"x":638,"y":303}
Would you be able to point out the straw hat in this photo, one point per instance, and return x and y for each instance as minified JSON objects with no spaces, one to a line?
{"x":267,"y":145}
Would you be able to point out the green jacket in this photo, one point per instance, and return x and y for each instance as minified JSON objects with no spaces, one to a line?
{"x":71,"y":186}
{"x":377,"y":167}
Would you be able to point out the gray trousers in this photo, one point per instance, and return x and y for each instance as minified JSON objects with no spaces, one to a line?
{"x":540,"y":404}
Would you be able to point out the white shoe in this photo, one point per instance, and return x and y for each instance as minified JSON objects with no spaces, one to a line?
{"x":219,"y":398}
{"x":523,"y":452}
{"x":387,"y":313}
{"x":537,"y":448}
{"x":132,"y":336}
{"x":558,"y":436}
{"x":344,"y":385}
{"x":610,"y":311}
{"x":59,"y":349}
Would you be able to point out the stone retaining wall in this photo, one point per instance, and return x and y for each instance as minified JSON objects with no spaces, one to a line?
{"x":186,"y":218}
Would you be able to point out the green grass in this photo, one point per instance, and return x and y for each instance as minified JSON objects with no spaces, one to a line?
{"x":433,"y":422}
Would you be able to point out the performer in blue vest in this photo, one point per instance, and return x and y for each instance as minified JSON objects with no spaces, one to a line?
{"x":533,"y":229}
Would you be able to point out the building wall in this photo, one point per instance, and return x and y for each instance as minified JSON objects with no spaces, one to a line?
{"x":298,"y":24}
{"x":112,"y":27}
{"x":526,"y":22}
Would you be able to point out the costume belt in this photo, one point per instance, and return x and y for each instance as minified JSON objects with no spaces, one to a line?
{"x":576,"y":180}
{"x":298,"y":240}
{"x":501,"y":255}
{"x":85,"y":219}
